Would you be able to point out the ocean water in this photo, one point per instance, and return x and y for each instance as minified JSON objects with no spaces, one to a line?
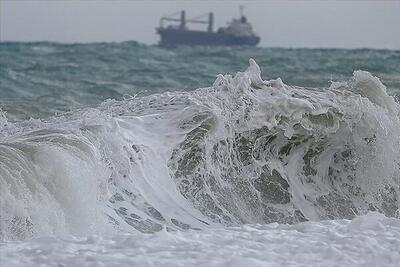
{"x":127,"y":154}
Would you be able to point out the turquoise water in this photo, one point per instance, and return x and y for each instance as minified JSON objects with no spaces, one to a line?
{"x":40,"y":79}
{"x":128,"y":138}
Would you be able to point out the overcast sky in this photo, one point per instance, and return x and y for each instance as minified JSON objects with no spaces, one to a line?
{"x":343,"y":24}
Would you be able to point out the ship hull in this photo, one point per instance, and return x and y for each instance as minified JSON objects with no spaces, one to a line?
{"x":173,"y":37}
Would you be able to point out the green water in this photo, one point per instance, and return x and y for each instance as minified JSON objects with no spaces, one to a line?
{"x":40,"y":79}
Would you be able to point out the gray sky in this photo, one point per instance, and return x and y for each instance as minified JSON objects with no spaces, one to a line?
{"x":342,"y":24}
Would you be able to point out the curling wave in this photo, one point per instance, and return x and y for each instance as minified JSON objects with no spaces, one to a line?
{"x":242,"y":151}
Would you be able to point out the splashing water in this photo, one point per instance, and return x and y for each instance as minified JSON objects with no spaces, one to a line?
{"x":242,"y":151}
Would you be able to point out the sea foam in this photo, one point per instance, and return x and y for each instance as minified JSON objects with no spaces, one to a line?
{"x":243,"y":151}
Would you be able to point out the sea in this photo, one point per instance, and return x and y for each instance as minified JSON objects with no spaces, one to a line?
{"x":126,"y":154}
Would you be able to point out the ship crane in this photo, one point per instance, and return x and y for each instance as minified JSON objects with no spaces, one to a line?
{"x":183,"y":21}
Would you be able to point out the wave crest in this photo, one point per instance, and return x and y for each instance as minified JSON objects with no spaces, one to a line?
{"x":242,"y":151}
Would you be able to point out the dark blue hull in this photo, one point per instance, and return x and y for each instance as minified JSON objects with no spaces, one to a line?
{"x":173,"y":37}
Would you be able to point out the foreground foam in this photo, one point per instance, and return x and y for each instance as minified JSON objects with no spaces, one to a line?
{"x":370,"y":240}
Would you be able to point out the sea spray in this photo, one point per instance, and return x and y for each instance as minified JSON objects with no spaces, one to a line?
{"x":242,"y":151}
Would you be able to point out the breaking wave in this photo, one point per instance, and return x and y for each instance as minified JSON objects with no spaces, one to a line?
{"x":242,"y":151}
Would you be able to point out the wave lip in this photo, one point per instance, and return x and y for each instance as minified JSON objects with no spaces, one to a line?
{"x":242,"y":151}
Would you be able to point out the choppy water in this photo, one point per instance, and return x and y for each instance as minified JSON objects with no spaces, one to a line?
{"x":38,"y":79}
{"x":176,"y":147}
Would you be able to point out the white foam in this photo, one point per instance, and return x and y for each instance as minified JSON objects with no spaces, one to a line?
{"x":370,"y":240}
{"x":193,"y":160}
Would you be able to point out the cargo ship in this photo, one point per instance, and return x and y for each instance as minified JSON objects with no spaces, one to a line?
{"x":238,"y":32}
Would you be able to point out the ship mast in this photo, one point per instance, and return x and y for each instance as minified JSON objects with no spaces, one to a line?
{"x":183,"y":20}
{"x":241,"y":8}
